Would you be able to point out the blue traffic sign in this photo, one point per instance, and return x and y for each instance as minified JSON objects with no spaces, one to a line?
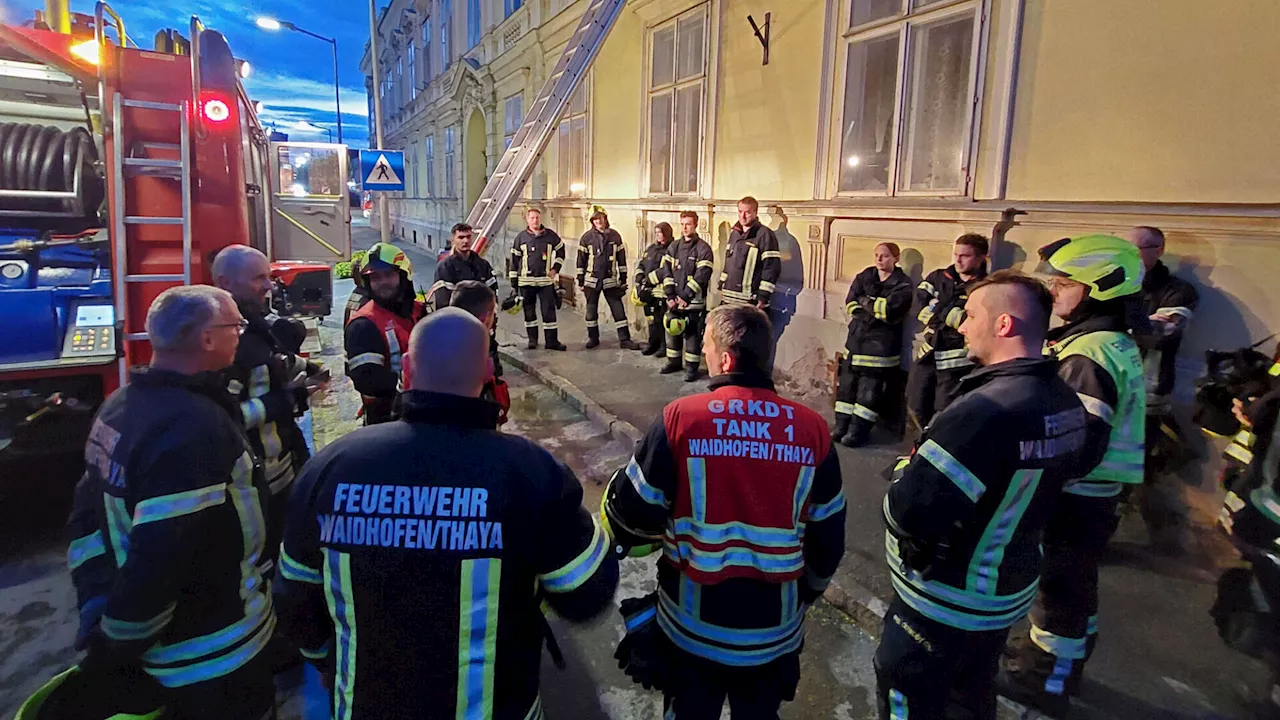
{"x":382,"y":170}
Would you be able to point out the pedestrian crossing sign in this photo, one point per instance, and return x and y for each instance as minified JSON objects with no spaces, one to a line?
{"x":382,"y":170}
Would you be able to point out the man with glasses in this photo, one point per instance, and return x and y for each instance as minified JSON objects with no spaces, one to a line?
{"x":268,"y":379}
{"x":168,"y":526}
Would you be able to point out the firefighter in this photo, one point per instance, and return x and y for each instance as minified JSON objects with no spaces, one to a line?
{"x":878,"y":301}
{"x":751,"y":531}
{"x":752,"y":261}
{"x":479,"y":300}
{"x":1095,"y":282}
{"x":359,"y":294}
{"x":492,"y":522}
{"x":459,"y":265}
{"x":378,"y":333}
{"x":269,"y":381}
{"x":534,"y":269}
{"x":686,"y":275}
{"x":168,"y":524}
{"x":646,"y":288}
{"x":966,"y":511}
{"x":941,"y":360}
{"x":602,"y":270}
{"x":1169,"y":304}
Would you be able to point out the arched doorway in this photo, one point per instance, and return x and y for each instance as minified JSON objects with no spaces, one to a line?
{"x":475,"y":162}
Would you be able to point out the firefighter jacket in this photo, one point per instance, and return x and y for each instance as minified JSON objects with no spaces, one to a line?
{"x":648,"y":277}
{"x":942,"y":296}
{"x":745,"y":491}
{"x":1101,"y":362}
{"x":421,"y":549}
{"x":534,"y":258}
{"x":456,"y":268}
{"x":259,"y":381}
{"x":877,"y":308}
{"x":356,"y":300}
{"x":168,"y":531}
{"x":688,"y":266}
{"x":752,"y":264}
{"x":966,"y":515}
{"x":377,"y":338}
{"x":602,"y":260}
{"x":1164,"y":294}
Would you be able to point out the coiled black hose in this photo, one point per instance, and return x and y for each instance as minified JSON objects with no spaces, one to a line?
{"x":42,"y":157}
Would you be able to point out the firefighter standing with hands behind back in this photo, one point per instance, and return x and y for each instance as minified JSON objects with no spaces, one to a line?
{"x":602,"y":270}
{"x":377,"y":335}
{"x":534,"y":269}
{"x":647,"y":287}
{"x":878,"y":300}
{"x":752,"y":261}
{"x":686,"y":278}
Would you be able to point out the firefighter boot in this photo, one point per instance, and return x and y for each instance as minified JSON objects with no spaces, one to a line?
{"x":624,"y":338}
{"x":654,"y":346}
{"x":532,"y":330}
{"x":841,"y":426}
{"x":553,"y":340}
{"x":593,"y":336}
{"x":858,"y":433}
{"x":691,"y":371}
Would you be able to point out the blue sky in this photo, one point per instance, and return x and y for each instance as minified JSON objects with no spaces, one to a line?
{"x":292,"y":74}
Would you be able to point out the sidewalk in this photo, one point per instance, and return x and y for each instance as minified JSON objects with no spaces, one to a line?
{"x":1159,"y":654}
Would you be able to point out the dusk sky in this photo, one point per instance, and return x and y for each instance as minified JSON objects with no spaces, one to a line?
{"x":292,"y":74}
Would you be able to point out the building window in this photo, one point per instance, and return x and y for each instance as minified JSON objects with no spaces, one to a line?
{"x":450,"y":189}
{"x":429,"y":152}
{"x":510,"y":6}
{"x":512,"y":115}
{"x":908,"y":97}
{"x":446,"y":24}
{"x":413,"y":69}
{"x":411,"y":170}
{"x":473,"y":23}
{"x":677,"y":87}
{"x":571,"y":144}
{"x":426,"y":51}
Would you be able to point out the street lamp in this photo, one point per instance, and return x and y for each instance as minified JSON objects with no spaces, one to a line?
{"x":273,"y":25}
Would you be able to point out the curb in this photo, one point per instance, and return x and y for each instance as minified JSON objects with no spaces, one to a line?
{"x":862,"y":606}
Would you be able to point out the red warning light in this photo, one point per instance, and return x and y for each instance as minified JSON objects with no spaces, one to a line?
{"x":216,"y":110}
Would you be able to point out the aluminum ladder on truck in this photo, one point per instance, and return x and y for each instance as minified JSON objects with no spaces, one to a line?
{"x":178,"y":170}
{"x":539,"y":123}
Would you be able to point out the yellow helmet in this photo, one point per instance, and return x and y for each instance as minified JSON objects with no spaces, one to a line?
{"x":676,"y":325}
{"x":1110,"y":266}
{"x":635,"y":297}
{"x":385,"y":256}
{"x":61,"y":691}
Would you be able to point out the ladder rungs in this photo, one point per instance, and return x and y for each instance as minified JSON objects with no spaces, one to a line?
{"x":147,"y":105}
{"x":147,"y":220}
{"x":153,"y":163}
{"x":137,"y":336}
{"x":171,"y":147}
{"x":153,"y":278}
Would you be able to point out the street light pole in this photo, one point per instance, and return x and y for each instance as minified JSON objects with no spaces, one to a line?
{"x":272,"y":24}
{"x":384,"y":217}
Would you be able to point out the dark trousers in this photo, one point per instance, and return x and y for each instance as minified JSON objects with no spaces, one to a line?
{"x":861,"y":394}
{"x":926,"y":669}
{"x":656,"y":313}
{"x":543,"y":297}
{"x":930,"y":391}
{"x":698,"y":688}
{"x":1064,"y":618}
{"x":245,"y":694}
{"x":613,"y":296}
{"x":690,"y":341}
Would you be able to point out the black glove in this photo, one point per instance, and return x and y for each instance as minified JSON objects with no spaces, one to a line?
{"x":641,"y":653}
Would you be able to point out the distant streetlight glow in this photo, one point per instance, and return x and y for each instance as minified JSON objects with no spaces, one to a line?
{"x":270,"y":24}
{"x":577,"y":187}
{"x":854,"y":161}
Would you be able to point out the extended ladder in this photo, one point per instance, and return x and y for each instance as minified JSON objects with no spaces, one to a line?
{"x":124,"y":155}
{"x":539,"y":123}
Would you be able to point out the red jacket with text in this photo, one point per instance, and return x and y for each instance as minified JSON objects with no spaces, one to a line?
{"x":377,"y":339}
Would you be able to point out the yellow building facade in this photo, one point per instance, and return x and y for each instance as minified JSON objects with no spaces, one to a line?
{"x":906,"y":120}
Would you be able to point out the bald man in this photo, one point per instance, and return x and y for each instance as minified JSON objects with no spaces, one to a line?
{"x":269,"y":380}
{"x":968,"y":508}
{"x":491,"y":522}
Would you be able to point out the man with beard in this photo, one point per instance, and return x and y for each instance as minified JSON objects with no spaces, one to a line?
{"x":377,"y":335}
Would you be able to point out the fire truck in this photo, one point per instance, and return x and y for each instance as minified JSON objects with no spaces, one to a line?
{"x":123,"y":171}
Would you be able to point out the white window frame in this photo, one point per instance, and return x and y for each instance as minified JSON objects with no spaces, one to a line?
{"x":450,"y":153}
{"x":446,"y":26}
{"x":512,"y":117}
{"x":562,"y":153}
{"x":413,"y":67}
{"x":429,"y":155}
{"x":411,"y":170}
{"x":903,"y":24}
{"x":426,"y":50}
{"x":510,"y":6}
{"x":705,"y":80}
